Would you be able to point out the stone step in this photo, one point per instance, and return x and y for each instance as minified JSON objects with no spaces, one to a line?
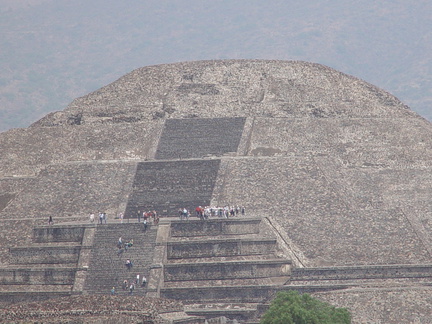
{"x":227,"y":282}
{"x":31,"y":294}
{"x":237,"y":311}
{"x":46,"y":254}
{"x":60,"y":233}
{"x":252,"y":257}
{"x":366,"y":282}
{"x":363,"y":272}
{"x":259,"y":293}
{"x":227,"y":270}
{"x":181,"y":318}
{"x":48,"y":245}
{"x":42,"y":276}
{"x":34,"y":288}
{"x":107,"y":267}
{"x":220,"y":247}
{"x":39,"y":267}
{"x":215,"y":227}
{"x":239,"y":294}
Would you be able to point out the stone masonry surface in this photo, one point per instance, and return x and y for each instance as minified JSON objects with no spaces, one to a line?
{"x":27,"y":151}
{"x":316,"y":216}
{"x":340,"y":169}
{"x":166,"y":186}
{"x":195,"y":138}
{"x":107,"y":268}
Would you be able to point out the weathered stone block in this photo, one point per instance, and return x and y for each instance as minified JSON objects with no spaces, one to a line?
{"x":238,"y":294}
{"x":58,"y":234}
{"x":47,"y":276}
{"x":226,"y":270}
{"x":214,"y":248}
{"x":46,"y":254}
{"x":215,"y":227}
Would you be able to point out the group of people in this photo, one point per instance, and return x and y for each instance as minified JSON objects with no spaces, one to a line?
{"x":122,"y":247}
{"x":139,"y":280}
{"x":132,"y":284}
{"x":203,"y":213}
{"x":102,"y":216}
{"x":148,"y":217}
{"x":206,"y":212}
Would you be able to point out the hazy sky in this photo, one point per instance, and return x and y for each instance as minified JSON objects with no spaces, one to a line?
{"x":52,"y":51}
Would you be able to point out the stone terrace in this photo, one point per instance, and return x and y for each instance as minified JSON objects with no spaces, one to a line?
{"x":71,"y":191}
{"x":228,"y":261}
{"x":357,"y":142}
{"x":28,"y":151}
{"x":52,"y":266}
{"x":297,"y":195}
{"x":390,"y":305}
{"x":67,"y":192}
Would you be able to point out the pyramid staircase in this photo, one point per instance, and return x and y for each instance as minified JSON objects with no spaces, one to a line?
{"x":107,"y":268}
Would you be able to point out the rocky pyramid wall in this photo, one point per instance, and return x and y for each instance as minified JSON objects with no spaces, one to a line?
{"x":341,"y":169}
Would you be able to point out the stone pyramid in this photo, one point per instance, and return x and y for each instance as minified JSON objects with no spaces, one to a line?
{"x":340,"y":169}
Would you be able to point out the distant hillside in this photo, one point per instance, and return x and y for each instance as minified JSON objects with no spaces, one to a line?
{"x":55,"y":51}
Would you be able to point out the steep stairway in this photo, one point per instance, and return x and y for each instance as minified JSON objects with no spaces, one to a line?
{"x":199,"y":137}
{"x":166,"y":186}
{"x":107,"y":268}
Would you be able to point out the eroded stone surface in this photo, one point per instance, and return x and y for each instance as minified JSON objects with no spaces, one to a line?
{"x":340,"y":168}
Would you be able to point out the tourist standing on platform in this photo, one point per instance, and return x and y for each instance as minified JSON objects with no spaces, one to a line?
{"x":186,"y":213}
{"x":92,"y":217}
{"x":50,"y":220}
{"x":146,"y":216}
{"x":144,"y":281}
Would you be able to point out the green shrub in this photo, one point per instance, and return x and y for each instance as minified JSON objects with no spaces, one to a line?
{"x":292,"y":308}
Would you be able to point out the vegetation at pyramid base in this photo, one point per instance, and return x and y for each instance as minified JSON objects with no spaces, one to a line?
{"x":290,"y":307}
